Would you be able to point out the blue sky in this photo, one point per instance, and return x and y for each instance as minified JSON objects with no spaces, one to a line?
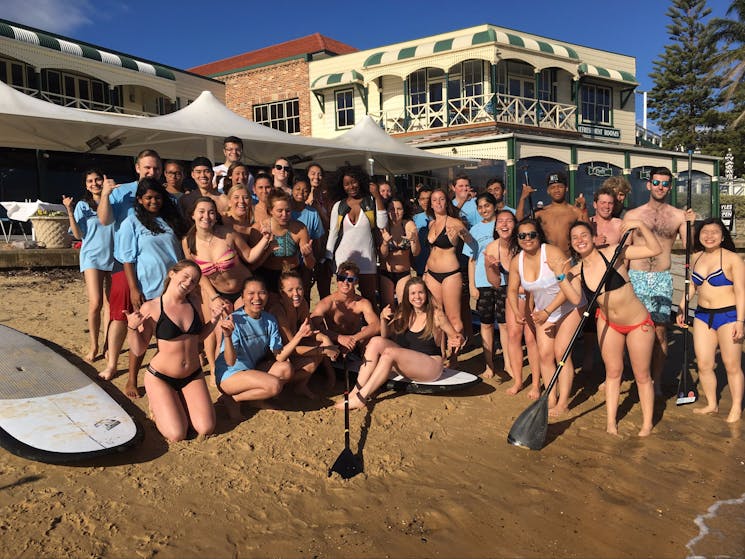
{"x":190,"y":33}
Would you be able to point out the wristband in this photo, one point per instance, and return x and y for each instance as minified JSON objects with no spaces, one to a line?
{"x":561,"y":277}
{"x":130,"y":328}
{"x":215,"y":297}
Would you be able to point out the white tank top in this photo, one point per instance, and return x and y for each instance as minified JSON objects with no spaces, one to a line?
{"x":545,"y":288}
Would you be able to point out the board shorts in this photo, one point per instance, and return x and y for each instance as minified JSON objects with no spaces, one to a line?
{"x":655,"y":291}
{"x":491,"y":305}
{"x":119,"y":297}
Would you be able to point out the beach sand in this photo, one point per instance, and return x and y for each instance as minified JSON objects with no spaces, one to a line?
{"x":439,"y":478}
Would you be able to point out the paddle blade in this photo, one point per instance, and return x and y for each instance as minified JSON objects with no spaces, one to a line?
{"x":347,"y":465}
{"x":529,"y":429}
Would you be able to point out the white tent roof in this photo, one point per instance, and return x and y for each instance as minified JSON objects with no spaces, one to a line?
{"x":389,"y":153}
{"x":197,"y":129}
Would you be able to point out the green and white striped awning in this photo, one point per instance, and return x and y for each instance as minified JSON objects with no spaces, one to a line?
{"x":332,"y":80}
{"x":585,"y":69}
{"x":471,"y":40}
{"x":82,"y":50}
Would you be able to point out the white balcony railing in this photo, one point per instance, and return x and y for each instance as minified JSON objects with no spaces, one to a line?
{"x":77,"y":103}
{"x":476,"y":110}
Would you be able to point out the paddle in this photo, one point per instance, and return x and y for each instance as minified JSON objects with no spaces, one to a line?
{"x":530,"y":427}
{"x":686,"y":394}
{"x":531,"y":209}
{"x":347,"y":465}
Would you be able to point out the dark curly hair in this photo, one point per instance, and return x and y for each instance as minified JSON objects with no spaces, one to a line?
{"x":87,"y":195}
{"x":336,"y":182}
{"x":578,"y":223}
{"x":168,"y":211}
{"x":534,"y":223}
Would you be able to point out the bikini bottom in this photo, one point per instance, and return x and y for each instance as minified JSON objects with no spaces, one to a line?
{"x":623,"y":328}
{"x":439,"y":277}
{"x":394,"y":276}
{"x":716,"y":318}
{"x":178,"y":384}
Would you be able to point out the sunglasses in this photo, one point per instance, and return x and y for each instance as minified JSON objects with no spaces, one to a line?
{"x":284,"y":168}
{"x":348,"y":279}
{"x":655,"y":182}
{"x":528,"y":235}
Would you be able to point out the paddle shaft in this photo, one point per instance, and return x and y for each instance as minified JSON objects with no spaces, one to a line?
{"x":586,"y":313}
{"x":683,"y":382}
{"x":531,"y":209}
{"x":346,"y":403}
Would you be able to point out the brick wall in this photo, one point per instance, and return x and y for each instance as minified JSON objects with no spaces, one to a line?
{"x":287,"y":80}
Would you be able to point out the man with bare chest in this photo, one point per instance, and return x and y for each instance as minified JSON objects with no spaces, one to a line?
{"x":651,"y":277}
{"x":344,"y":316}
{"x":555,"y":218}
{"x":606,"y":228}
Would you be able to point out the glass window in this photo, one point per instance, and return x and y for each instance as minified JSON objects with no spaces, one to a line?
{"x":16,"y":75}
{"x":418,"y":88}
{"x":282,"y":115}
{"x":54,"y":83}
{"x":344,"y":108}
{"x":547,"y":85}
{"x":596,"y":104}
{"x":473,"y":78}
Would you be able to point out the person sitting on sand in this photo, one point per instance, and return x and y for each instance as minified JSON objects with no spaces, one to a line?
{"x":253,"y":364}
{"x":175,"y":386}
{"x":718,"y":274}
{"x":416,"y":329}
{"x":622,"y":319}
{"x":291,"y":310}
{"x":341,"y":315}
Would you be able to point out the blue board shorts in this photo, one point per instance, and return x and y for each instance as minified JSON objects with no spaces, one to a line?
{"x":655,"y":291}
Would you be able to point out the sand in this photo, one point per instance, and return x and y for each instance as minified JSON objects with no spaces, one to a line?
{"x":439,"y":478}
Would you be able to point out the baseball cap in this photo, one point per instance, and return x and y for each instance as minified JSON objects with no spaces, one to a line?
{"x":557,"y":177}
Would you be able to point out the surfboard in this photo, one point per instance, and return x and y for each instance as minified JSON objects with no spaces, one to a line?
{"x":450,"y":380}
{"x":50,"y":411}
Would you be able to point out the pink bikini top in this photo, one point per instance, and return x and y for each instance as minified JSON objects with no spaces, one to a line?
{"x":226,"y":261}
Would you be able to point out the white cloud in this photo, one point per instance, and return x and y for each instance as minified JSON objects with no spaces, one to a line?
{"x":57,"y":16}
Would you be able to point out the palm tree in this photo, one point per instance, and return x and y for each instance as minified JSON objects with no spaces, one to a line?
{"x":730,"y":62}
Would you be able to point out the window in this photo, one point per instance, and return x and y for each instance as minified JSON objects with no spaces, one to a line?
{"x":17,"y":74}
{"x":74,"y":90}
{"x":596,"y":104}
{"x":282,"y":115}
{"x":547,"y":85}
{"x":344,"y":108}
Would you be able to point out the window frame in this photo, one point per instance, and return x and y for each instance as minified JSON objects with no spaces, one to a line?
{"x":594,"y":106}
{"x":347,"y":110}
{"x":275,"y":115}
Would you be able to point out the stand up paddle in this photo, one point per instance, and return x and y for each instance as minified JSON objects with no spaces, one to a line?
{"x":530,"y":427}
{"x":687,"y":390}
{"x":347,"y":465}
{"x":531,"y":209}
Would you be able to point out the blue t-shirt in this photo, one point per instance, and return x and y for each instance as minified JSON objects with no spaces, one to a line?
{"x":97,"y":248}
{"x":312,"y":221}
{"x":483,"y":234}
{"x":469,"y":213}
{"x":152,"y":254}
{"x":122,"y":200}
{"x":421,"y":221}
{"x":253,"y":339}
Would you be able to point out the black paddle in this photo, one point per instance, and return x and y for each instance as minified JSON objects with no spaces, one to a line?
{"x":531,"y":209}
{"x":686,"y":394}
{"x":347,"y":465}
{"x":530,"y":427}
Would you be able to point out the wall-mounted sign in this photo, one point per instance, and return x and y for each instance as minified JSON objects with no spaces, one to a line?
{"x":727,"y":215}
{"x":599,"y":171}
{"x":598,"y":131}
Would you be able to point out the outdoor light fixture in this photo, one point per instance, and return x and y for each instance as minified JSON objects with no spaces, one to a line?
{"x":114,"y":144}
{"x":94,"y":143}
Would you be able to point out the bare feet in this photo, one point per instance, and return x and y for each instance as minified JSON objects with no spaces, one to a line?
{"x":131,"y":391}
{"x":534,"y":393}
{"x":645,"y":431}
{"x":515,"y":388}
{"x":612,"y":429}
{"x":557,"y":411}
{"x":107,"y":374}
{"x":232,"y":407}
{"x":735,"y":414}
{"x":707,"y":410}
{"x":90,"y":357}
{"x":356,"y":401}
{"x":488,"y":373}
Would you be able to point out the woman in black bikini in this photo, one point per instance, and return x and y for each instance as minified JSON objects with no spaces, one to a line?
{"x":175,"y":386}
{"x":622,"y":319}
{"x":718,"y":275}
{"x":417,"y":331}
{"x":443,"y":275}
{"x":399,"y":246}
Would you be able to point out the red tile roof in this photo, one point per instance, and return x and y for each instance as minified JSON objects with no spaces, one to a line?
{"x":304,"y":45}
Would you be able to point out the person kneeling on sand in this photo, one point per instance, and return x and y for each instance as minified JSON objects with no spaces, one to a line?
{"x":416,"y":329}
{"x":253,"y":365}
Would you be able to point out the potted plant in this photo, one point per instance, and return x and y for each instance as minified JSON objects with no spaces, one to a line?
{"x":50,"y":228}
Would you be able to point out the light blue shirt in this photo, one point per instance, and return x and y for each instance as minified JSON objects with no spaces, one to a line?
{"x":421,"y":220}
{"x":151,"y":253}
{"x":469,"y":213}
{"x":253,"y":339}
{"x":312,"y":221}
{"x":122,"y":200}
{"x":483,"y":234}
{"x":97,"y":248}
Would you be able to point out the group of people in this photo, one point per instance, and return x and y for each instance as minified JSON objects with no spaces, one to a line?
{"x":222,"y":275}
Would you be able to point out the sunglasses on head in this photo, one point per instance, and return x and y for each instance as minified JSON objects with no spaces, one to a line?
{"x":284,"y":168}
{"x":528,"y":235}
{"x":348,"y":279}
{"x":656,"y":182}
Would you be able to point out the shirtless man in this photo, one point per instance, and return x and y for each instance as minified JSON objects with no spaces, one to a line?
{"x":606,"y":227}
{"x":340,"y":315}
{"x":651,"y":277}
{"x":202,"y":173}
{"x":555,"y":218}
{"x":495,"y":187}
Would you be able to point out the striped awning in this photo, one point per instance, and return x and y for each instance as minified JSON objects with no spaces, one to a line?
{"x":331,"y":80}
{"x":82,"y":50}
{"x":585,"y":69}
{"x":471,"y":40}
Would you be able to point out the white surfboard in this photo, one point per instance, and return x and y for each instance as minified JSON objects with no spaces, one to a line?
{"x":450,"y":380}
{"x":51,"y":411}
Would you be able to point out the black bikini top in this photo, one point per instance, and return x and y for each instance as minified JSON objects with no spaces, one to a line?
{"x":442,"y":240}
{"x":166,"y":329}
{"x":615,"y":280}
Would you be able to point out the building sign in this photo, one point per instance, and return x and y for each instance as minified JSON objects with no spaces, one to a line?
{"x":598,"y":131}
{"x":599,"y":171}
{"x":727,"y":215}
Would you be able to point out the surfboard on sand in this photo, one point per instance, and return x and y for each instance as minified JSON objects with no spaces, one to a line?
{"x":50,"y":411}
{"x":450,"y":380}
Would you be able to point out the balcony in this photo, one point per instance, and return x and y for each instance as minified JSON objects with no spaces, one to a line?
{"x":481,"y":109}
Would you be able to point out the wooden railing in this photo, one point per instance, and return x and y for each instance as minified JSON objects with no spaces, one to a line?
{"x":77,"y":103}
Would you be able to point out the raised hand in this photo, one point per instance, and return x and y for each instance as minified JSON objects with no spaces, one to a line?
{"x":227,"y":325}
{"x":67,"y":201}
{"x":387,"y":313}
{"x":580,"y":201}
{"x":559,"y":265}
{"x":527,"y":191}
{"x":218,"y":307}
{"x":108,"y":186}
{"x":492,"y":261}
{"x":306,"y":249}
{"x":135,"y":319}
